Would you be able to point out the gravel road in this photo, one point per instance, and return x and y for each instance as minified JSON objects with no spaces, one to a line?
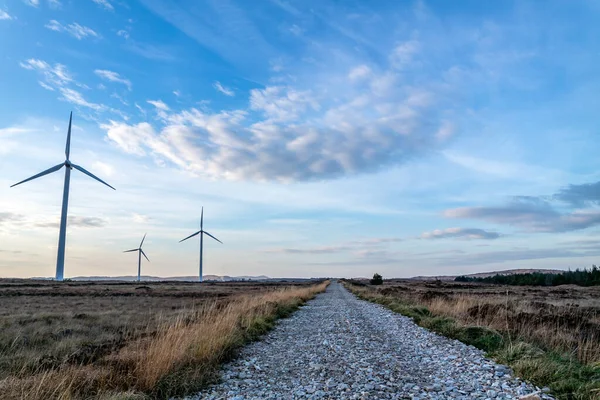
{"x":340,"y":347}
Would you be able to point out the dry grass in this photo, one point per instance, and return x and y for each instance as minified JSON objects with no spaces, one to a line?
{"x":550,"y":335}
{"x":173,"y":347}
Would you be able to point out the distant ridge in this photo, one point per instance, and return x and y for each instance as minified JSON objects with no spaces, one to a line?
{"x":486,"y":274}
{"x":129,"y":278}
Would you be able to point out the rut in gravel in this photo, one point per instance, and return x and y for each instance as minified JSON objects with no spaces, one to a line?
{"x":340,"y":347}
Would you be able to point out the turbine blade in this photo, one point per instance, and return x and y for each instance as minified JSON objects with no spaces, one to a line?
{"x":46,"y":172}
{"x":191,"y":236}
{"x":212,"y":236}
{"x":144,"y":254}
{"x":202,"y":218}
{"x":77,"y":167}
{"x":143,"y":240}
{"x":129,"y":251}
{"x":68,"y":147}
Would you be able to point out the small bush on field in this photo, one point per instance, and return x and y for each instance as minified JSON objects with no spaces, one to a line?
{"x":377,"y":280}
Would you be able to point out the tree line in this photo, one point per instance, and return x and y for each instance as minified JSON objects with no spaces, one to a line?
{"x":581,"y":277}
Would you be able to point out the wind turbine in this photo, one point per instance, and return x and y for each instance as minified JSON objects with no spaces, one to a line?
{"x":140,"y":252}
{"x":201,"y":232}
{"x":62,"y":236}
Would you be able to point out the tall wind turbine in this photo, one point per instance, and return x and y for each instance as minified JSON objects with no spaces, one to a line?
{"x":140,"y":252}
{"x":201,"y":232}
{"x":62,"y":236}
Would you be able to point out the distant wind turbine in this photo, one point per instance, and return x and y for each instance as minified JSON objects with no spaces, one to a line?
{"x":140,"y":252}
{"x":62,"y":236}
{"x":201,"y":232}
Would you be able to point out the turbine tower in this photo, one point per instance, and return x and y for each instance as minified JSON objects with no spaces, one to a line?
{"x":201,"y":232}
{"x":62,"y":236}
{"x":140,"y":252}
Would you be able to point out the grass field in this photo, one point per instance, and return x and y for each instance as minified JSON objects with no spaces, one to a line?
{"x":115,"y":340}
{"x":550,"y":335}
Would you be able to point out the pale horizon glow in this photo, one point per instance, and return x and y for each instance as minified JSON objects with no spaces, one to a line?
{"x":407,"y":139}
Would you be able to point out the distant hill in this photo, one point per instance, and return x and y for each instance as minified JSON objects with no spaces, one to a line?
{"x":486,"y":274}
{"x":129,"y":278}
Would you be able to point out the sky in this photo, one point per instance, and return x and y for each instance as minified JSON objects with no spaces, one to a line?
{"x":322,"y":138}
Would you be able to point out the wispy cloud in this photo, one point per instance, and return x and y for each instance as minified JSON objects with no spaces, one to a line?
{"x":104,"y":4}
{"x":493,"y":257}
{"x":123,"y":33}
{"x":360,"y":72}
{"x":33,"y":3}
{"x":113,"y":77}
{"x":314,"y":250}
{"x":150,"y":51}
{"x":6,"y":217}
{"x":533,"y":214}
{"x":140,"y":218}
{"x":57,"y":77}
{"x":75,"y":97}
{"x":460,"y":233}
{"x":291,"y":134}
{"x":75,"y":222}
{"x":13,"y":131}
{"x":580,"y":195}
{"x":159,"y":104}
{"x":4,"y":15}
{"x":226,"y":91}
{"x":54,"y":4}
{"x":74,"y":29}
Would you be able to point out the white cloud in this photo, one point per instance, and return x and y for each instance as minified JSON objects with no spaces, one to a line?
{"x":58,"y":78}
{"x":113,"y":77}
{"x":122,"y":100}
{"x":54,"y":4}
{"x":73,"y":96}
{"x":140,"y":108}
{"x":56,"y":75}
{"x":74,"y":29}
{"x":280,"y":103}
{"x":446,"y":131}
{"x":296,"y":30}
{"x":226,"y":91}
{"x":123,"y":33}
{"x":140,"y":218}
{"x":277,"y":65}
{"x":13,"y":131}
{"x":177,"y":93}
{"x":404,"y":53}
{"x":286,"y":146}
{"x":462,"y":233}
{"x":316,"y":128}
{"x":360,"y":72}
{"x":105,"y":4}
{"x":159,"y":104}
{"x":33,"y":3}
{"x":103,"y":168}
{"x":4,"y":15}
{"x":46,"y":86}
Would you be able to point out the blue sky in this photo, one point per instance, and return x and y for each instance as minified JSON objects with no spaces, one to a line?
{"x":322,"y":138}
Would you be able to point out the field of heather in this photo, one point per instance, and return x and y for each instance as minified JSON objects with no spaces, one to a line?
{"x":128,"y":340}
{"x":550,"y":335}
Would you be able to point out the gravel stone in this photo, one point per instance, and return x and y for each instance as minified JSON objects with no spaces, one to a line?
{"x":340,"y":347}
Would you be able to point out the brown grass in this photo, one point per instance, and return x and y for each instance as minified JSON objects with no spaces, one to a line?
{"x":173,"y":347}
{"x":550,"y":334}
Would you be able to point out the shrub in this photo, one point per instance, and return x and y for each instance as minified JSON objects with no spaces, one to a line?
{"x":377,"y":279}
